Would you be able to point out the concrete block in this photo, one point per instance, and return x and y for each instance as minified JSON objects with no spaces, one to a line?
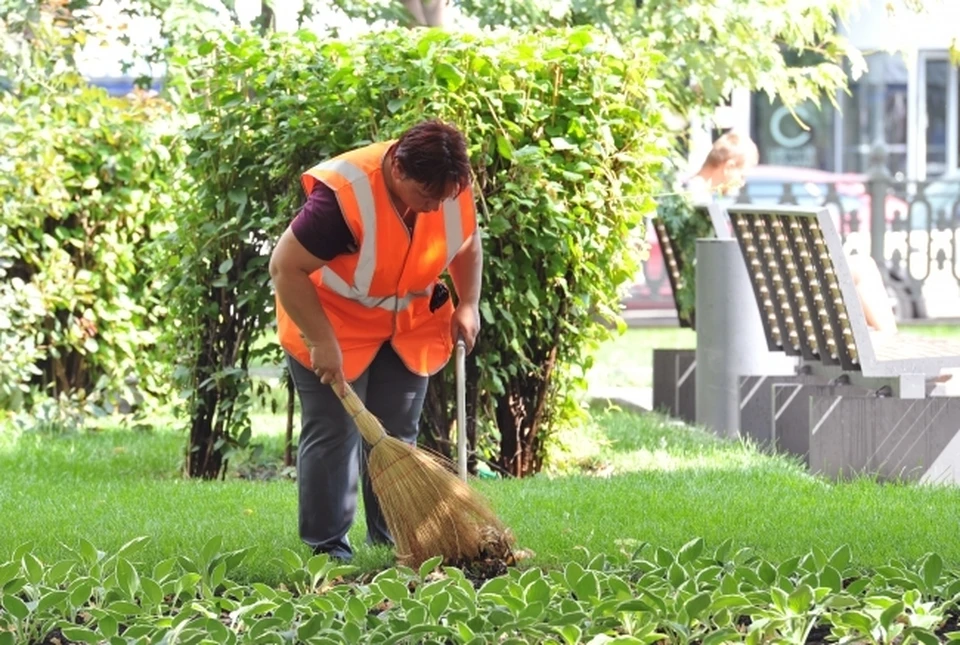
{"x":674,"y":382}
{"x":890,"y":438}
{"x":791,"y":418}
{"x":756,"y":405}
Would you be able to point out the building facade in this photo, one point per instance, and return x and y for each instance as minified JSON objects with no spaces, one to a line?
{"x":908,"y":99}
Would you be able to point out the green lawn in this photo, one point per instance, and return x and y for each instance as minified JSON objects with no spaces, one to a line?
{"x":627,"y":360}
{"x":646,"y":480}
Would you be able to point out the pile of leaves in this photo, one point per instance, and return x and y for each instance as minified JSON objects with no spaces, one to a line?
{"x":693,"y":595}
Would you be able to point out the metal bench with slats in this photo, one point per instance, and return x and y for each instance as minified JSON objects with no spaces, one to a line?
{"x":857,"y":413}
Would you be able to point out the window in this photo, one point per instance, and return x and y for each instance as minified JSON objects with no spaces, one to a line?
{"x":937,"y":73}
{"x":782,"y":141}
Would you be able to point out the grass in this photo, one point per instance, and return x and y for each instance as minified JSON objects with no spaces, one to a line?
{"x":626,"y":479}
{"x":627,"y":360}
{"x":647,"y":480}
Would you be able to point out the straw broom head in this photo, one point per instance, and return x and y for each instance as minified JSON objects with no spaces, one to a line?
{"x":428,"y":509}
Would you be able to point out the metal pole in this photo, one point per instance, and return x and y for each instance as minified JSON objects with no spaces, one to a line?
{"x":731,"y":342}
{"x":878,"y":182}
{"x":461,"y":408}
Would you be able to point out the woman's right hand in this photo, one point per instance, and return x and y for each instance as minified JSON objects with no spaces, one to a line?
{"x":327,"y":363}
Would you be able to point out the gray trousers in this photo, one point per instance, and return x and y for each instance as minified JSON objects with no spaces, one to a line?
{"x":329,"y":461}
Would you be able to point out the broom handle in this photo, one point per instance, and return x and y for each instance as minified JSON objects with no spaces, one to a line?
{"x":369,"y":426}
{"x":461,"y":408}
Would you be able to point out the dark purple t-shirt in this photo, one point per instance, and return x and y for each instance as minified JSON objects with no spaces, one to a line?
{"x":320,"y":226}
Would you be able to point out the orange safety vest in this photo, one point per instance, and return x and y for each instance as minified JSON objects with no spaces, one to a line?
{"x":382,"y":292}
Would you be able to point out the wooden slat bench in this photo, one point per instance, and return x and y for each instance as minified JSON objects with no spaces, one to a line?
{"x":871,"y":402}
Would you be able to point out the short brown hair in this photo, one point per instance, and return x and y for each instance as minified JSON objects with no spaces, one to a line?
{"x":434,"y":154}
{"x":732,"y":145}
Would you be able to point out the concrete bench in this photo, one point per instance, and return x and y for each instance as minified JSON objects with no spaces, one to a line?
{"x":865,"y":403}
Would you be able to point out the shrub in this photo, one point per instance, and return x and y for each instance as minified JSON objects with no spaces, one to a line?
{"x":565,"y":137}
{"x":87,"y":181}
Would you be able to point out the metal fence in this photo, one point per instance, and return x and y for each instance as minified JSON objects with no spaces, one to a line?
{"x":912,"y":227}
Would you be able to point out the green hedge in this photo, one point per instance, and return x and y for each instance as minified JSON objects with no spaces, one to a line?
{"x":87,"y":182}
{"x":565,"y":137}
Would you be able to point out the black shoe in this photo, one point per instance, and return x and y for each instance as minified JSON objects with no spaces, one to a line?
{"x":335,"y":554}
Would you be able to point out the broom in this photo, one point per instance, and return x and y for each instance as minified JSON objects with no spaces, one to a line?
{"x":429,"y":511}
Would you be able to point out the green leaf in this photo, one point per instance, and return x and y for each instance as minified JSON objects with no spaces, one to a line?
{"x":721,"y":636}
{"x":213,"y":545}
{"x":8,"y":571}
{"x":932,"y":569}
{"x":58,"y":572}
{"x":7,"y":638}
{"x":90,"y":183}
{"x":925,"y":636}
{"x":430,"y":565}
{"x":356,"y":609}
{"x":225,"y":266}
{"x":891,"y":613}
{"x":466,"y":634}
{"x":560,"y":143}
{"x":107,"y":626}
{"x":767,"y":573}
{"x":439,"y":604}
{"x":133,"y":546}
{"x":800,"y":599}
{"x":696,"y":605}
{"x":857,"y":620}
{"x":453,"y":76}
{"x":33,"y":568}
{"x":205,"y":48}
{"x":690,"y":551}
{"x":81,"y":635}
{"x":571,"y":634}
{"x":587,"y":587}
{"x":571,"y":574}
{"x":730,"y":601}
{"x":830,"y":578}
{"x":80,"y":592}
{"x":237,"y":196}
{"x":50,"y":600}
{"x":393,"y":590}
{"x":840,"y":559}
{"x":676,"y":574}
{"x":538,"y":591}
{"x":125,"y":608}
{"x":127,"y":577}
{"x":505,"y":148}
{"x":17,"y":608}
{"x":151,"y":591}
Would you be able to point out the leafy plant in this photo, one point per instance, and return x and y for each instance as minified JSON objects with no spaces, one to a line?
{"x":683,"y":226}
{"x":564,"y":134}
{"x":649,"y":595}
{"x":88,"y":180}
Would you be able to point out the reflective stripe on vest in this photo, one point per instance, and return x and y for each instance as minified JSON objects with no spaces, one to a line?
{"x":363,"y":275}
{"x":391,"y":303}
{"x":453,"y":227}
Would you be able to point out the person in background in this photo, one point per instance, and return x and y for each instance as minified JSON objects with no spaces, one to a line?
{"x":360,"y":301}
{"x":724,"y":171}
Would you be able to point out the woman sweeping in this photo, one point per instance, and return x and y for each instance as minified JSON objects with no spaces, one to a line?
{"x":360,"y":301}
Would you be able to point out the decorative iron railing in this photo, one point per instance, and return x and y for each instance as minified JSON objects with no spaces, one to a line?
{"x":912,"y":226}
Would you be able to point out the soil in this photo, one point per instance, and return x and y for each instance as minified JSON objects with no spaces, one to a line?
{"x":55,"y":637}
